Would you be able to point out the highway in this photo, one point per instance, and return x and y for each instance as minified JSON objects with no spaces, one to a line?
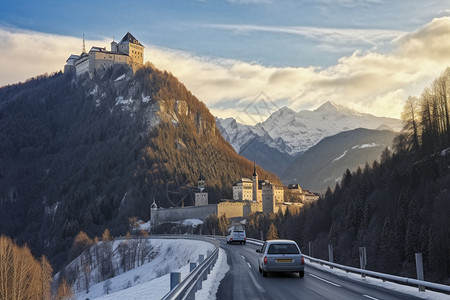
{"x":243,"y":281}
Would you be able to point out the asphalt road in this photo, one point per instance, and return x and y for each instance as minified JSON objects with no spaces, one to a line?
{"x":243,"y":281}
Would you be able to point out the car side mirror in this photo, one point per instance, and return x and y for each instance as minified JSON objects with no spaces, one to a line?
{"x":258,"y":250}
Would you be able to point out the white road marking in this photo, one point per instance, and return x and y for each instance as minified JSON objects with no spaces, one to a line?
{"x":324,"y":280}
{"x":243,"y":257}
{"x":249,"y":265}
{"x":258,"y":286}
{"x":373,"y":298}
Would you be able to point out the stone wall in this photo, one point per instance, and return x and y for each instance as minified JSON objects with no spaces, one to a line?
{"x":161,"y":215}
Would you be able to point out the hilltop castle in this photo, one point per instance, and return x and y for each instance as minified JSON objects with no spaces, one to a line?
{"x":129,"y":51}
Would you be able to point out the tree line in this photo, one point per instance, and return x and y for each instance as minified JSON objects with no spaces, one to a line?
{"x":22,"y":277}
{"x":396,"y":207}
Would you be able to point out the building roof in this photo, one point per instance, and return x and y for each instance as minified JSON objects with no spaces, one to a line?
{"x":73,"y":56}
{"x":129,"y":38}
{"x":243,"y":180}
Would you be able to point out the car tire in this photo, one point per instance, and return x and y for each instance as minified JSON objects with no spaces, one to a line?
{"x":301,"y":274}
{"x":244,"y":243}
{"x":259,"y":269}
{"x":264,"y":273}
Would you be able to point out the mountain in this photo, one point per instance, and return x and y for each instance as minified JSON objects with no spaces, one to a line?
{"x":83,"y":154}
{"x":286,"y":134}
{"x":294,"y":133}
{"x":324,"y":164}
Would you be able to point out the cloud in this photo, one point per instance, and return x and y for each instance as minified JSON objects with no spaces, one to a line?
{"x":327,"y":36}
{"x":24,"y":54}
{"x":368,"y":81}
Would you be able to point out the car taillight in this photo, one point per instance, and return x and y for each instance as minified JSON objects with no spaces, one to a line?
{"x":303,"y":260}
{"x":245,"y":238}
{"x":231,"y":239}
{"x":265,"y":259}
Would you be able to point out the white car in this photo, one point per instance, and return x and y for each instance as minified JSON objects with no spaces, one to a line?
{"x":280,"y":256}
{"x":236,"y":236}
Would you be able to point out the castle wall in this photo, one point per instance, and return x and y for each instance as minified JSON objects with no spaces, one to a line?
{"x":237,"y":209}
{"x":161,"y":215}
{"x":104,"y":60}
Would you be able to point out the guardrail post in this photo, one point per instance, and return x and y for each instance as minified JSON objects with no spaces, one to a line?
{"x":201,"y":258}
{"x":330,"y":254}
{"x":310,"y":247}
{"x":261,"y":234}
{"x":419,"y":269}
{"x":362,"y":259}
{"x":192,"y":266}
{"x":175,"y":278}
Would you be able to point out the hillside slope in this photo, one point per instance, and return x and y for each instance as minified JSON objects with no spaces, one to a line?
{"x":89,"y":153}
{"x":323,"y":164}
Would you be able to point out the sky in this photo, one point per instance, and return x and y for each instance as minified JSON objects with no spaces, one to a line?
{"x":242,"y":56}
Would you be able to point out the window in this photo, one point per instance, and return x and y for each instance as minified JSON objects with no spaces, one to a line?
{"x":283,"y":249}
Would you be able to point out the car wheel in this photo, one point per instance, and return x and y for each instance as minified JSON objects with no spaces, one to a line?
{"x":259,"y":268}
{"x":301,"y":274}
{"x":264,"y":273}
{"x":244,"y":243}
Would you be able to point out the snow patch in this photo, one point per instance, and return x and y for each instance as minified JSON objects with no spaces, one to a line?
{"x":94,"y":91}
{"x":121,"y":77}
{"x":338,"y":158}
{"x":146,"y":99}
{"x":192,"y":222}
{"x":121,"y":100}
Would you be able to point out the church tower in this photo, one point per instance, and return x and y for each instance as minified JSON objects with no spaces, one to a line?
{"x":255,"y":184}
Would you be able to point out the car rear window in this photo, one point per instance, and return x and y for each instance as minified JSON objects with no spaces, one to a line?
{"x":283,"y":249}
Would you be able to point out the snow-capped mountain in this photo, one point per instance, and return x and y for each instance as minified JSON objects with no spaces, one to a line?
{"x":295,"y":132}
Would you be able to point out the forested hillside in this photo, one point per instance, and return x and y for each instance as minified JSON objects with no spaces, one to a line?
{"x":395,"y":208}
{"x":85,"y":154}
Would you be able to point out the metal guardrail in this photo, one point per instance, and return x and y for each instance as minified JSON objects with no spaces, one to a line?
{"x":186,"y":289}
{"x":405,"y":280}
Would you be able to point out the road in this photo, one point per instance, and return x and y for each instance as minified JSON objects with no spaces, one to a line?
{"x":243,"y":281}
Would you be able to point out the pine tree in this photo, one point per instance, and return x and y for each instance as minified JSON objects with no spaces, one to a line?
{"x":272,"y":234}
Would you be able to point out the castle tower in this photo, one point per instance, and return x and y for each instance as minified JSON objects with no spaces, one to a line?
{"x":131,"y":46}
{"x":114,"y":46}
{"x":201,"y":196}
{"x":255,"y":184}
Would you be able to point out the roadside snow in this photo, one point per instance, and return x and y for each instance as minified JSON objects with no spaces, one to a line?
{"x":152,"y":279}
{"x":211,"y":285}
{"x":409,"y":290}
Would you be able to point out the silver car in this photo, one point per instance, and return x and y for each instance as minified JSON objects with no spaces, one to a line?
{"x":280,"y":256}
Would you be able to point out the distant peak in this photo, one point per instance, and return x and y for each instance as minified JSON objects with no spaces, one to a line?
{"x":285,"y":110}
{"x":327,"y":106}
{"x":330,"y":106}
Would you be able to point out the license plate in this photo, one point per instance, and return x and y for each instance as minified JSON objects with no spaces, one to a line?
{"x":284,"y":260}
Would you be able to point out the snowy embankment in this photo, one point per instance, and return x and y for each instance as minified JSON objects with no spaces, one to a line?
{"x":152,"y":279}
{"x":401,"y":288}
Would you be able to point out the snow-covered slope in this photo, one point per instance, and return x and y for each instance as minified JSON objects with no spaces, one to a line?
{"x":295,"y":132}
{"x":161,"y":257}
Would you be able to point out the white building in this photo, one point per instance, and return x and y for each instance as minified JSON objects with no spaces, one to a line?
{"x":259,"y":191}
{"x":129,"y":51}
